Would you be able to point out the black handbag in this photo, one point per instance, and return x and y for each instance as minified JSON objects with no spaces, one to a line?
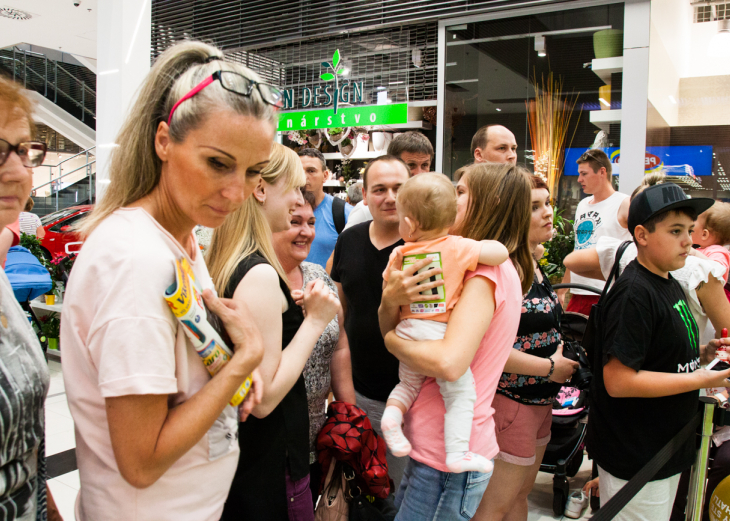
{"x":369,"y":508}
{"x":593,"y":335}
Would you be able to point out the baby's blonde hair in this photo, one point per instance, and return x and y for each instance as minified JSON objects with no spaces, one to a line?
{"x":717,"y":220}
{"x":430,"y":199}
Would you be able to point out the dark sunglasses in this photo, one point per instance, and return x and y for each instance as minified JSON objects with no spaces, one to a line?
{"x":31,"y":153}
{"x":237,"y":83}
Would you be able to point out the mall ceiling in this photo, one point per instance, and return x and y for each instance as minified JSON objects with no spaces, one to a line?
{"x":55,"y":24}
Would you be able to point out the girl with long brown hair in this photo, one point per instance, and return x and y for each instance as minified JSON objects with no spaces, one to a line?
{"x":493,"y":203}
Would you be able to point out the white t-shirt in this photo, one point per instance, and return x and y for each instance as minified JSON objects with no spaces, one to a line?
{"x":695,"y":271}
{"x":29,"y":223}
{"x":593,"y":221}
{"x":359,"y":214}
{"x":120,"y":338}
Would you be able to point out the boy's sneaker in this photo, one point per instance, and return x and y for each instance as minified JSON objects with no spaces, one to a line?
{"x":577,"y":502}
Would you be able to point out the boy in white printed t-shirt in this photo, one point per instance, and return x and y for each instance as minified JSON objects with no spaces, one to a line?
{"x":426,"y":207}
{"x":603,"y":214}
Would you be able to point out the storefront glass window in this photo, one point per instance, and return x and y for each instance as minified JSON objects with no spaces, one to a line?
{"x":496,"y":68}
{"x":688,"y":120}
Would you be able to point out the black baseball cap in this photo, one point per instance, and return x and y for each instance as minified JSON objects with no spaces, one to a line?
{"x":662,"y":198}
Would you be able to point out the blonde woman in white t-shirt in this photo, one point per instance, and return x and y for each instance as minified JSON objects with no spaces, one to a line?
{"x":156,"y":438}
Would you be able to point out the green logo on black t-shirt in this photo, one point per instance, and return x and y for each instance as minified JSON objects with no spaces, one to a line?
{"x":689,"y":322}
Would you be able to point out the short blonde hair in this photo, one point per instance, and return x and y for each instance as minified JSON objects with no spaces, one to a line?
{"x":429,"y":198}
{"x":717,"y":220}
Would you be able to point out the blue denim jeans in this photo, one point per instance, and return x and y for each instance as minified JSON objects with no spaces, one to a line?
{"x":427,"y":494}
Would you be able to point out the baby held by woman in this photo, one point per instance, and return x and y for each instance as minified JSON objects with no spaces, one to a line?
{"x":426,"y":206}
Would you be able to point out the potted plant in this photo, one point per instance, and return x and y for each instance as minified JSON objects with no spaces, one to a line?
{"x":51,"y":329}
{"x":558,"y":248}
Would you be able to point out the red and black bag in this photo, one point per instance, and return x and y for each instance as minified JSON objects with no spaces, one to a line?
{"x":349,"y":437}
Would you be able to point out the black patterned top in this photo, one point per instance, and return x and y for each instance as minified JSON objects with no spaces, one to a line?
{"x":24,"y":382}
{"x":537,"y":335}
{"x":317,"y":375}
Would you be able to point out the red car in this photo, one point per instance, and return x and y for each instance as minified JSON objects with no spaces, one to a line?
{"x":60,"y":241}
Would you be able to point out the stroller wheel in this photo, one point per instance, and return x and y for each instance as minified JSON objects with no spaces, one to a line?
{"x":559,"y":500}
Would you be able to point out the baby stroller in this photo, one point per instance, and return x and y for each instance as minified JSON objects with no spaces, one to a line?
{"x":564,"y":453}
{"x":29,"y":279}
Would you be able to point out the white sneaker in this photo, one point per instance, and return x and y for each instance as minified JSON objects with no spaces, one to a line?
{"x":577,"y":502}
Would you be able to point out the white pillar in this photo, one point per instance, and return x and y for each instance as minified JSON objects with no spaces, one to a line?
{"x":634,"y":93}
{"x":124,"y":29}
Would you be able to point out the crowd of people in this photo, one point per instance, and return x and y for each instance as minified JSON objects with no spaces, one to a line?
{"x":424,"y":305}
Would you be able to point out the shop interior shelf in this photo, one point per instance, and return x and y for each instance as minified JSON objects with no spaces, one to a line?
{"x":604,"y":67}
{"x":603,"y":118}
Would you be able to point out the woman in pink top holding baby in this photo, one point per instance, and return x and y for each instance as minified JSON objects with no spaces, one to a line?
{"x":426,"y":208}
{"x":493,"y":202}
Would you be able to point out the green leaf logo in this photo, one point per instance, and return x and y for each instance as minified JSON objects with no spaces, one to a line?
{"x":329,"y":76}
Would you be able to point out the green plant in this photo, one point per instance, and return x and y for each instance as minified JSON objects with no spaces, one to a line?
{"x":558,"y":247}
{"x":51,"y":325}
{"x":34,"y":246}
{"x":336,"y":71}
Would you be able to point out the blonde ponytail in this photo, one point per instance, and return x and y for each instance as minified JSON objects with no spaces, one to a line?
{"x":134,"y":168}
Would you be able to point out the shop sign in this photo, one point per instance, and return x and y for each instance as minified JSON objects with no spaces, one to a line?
{"x":346,"y":92}
{"x":676,"y":161}
{"x":366,"y":115}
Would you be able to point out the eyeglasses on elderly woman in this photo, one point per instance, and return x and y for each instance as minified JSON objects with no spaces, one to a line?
{"x":31,"y":153}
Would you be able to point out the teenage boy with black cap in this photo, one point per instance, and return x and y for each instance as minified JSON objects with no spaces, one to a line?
{"x":647,"y":390}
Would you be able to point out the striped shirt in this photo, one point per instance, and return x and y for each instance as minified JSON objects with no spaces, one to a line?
{"x":29,"y":223}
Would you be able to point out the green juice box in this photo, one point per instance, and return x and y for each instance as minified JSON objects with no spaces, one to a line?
{"x":427,"y":307}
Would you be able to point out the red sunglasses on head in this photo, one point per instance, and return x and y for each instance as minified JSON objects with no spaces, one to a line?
{"x":238,"y":83}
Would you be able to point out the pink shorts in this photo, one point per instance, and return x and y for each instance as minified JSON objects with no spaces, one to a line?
{"x":520,"y":429}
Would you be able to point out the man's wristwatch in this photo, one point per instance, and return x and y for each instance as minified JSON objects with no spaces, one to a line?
{"x":552,"y":368}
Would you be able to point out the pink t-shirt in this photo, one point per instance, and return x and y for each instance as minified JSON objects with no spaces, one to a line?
{"x":119,"y":338}
{"x":719,"y":254}
{"x":425,"y":420}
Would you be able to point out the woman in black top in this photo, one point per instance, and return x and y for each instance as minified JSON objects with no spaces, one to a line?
{"x":533,"y":375}
{"x":271,"y":481}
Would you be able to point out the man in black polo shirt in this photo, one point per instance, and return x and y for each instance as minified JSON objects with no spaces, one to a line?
{"x":360,"y":257}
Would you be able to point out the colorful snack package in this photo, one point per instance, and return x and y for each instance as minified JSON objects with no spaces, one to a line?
{"x":186,"y":302}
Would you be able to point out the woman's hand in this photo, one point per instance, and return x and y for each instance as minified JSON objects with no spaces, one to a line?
{"x":298,"y":296}
{"x":254,"y":396}
{"x":403,"y":286}
{"x":237,"y":320}
{"x":564,"y":367}
{"x":320,"y":303}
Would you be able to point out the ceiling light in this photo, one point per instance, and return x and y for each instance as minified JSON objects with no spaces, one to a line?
{"x":499,"y":110}
{"x":720,"y":44}
{"x":14,"y":14}
{"x":604,"y":102}
{"x":540,"y":45}
{"x":346,"y":71}
{"x":674,"y":101}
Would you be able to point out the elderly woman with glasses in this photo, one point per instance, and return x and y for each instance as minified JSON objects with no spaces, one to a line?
{"x":24,"y":378}
{"x":156,"y":437}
